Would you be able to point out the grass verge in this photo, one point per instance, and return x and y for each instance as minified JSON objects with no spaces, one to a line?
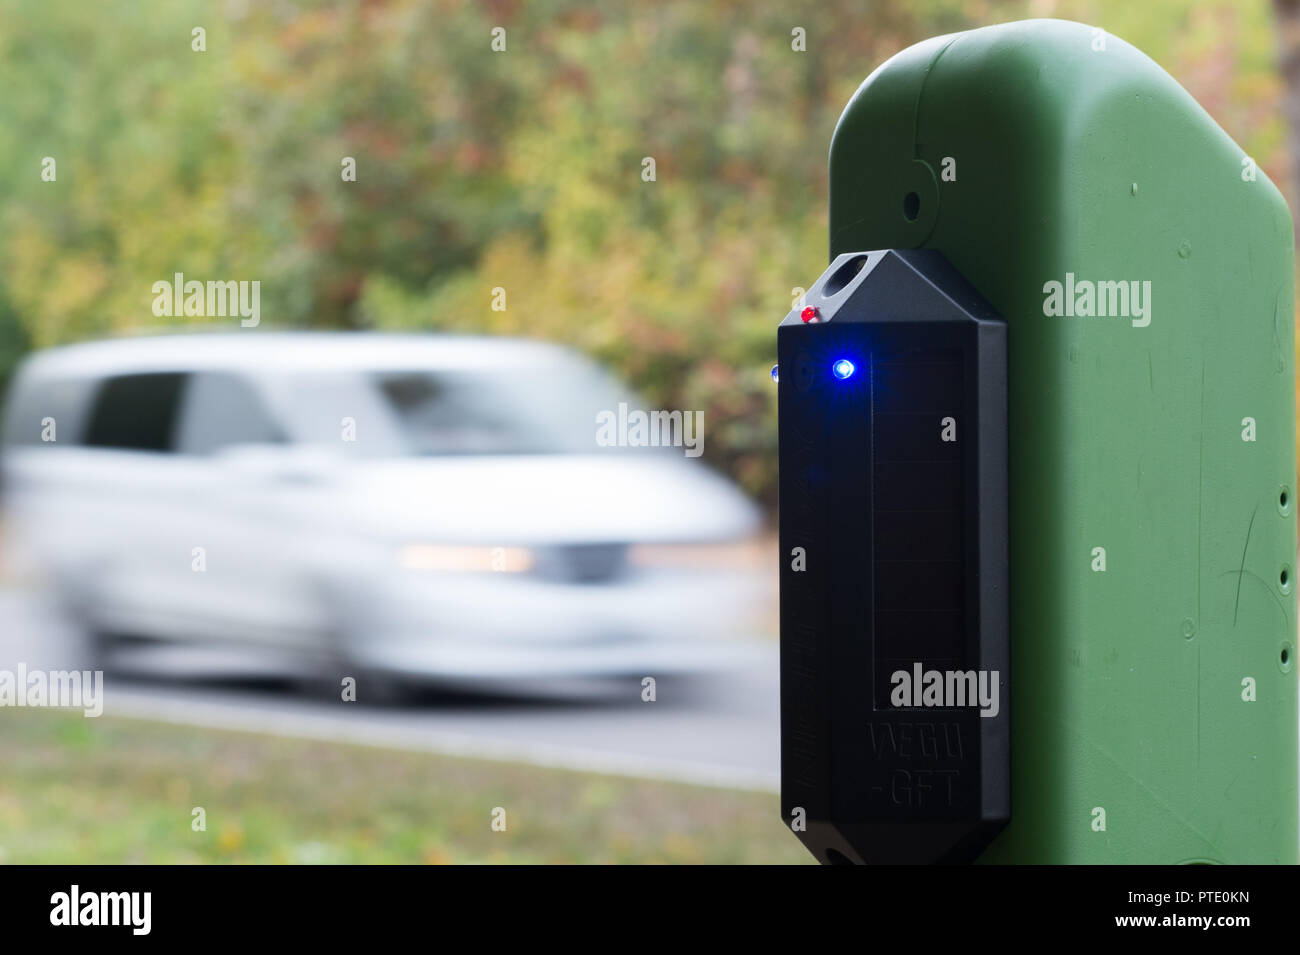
{"x":113,"y":790}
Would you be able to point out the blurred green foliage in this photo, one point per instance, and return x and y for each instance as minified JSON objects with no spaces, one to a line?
{"x":477,"y":169}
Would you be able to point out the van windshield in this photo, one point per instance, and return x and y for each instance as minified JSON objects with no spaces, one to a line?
{"x":546,"y":409}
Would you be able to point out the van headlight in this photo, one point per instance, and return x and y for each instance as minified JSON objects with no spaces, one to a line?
{"x":455,"y":558}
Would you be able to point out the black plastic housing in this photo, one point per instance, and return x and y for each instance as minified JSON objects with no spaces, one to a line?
{"x":893,"y":482}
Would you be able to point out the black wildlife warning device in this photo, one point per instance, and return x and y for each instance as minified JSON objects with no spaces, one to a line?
{"x":893,"y":485}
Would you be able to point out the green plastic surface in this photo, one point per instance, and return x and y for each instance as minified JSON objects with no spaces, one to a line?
{"x":1075,"y":153}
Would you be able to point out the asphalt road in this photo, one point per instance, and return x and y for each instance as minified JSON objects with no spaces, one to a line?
{"x":720,"y":730}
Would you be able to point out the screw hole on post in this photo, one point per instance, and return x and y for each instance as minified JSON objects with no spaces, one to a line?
{"x":1284,"y":501}
{"x":1284,"y":578}
{"x":1286,"y":656}
{"x":911,"y":206}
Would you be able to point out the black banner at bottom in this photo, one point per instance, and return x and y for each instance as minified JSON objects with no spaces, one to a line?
{"x":131,"y":904}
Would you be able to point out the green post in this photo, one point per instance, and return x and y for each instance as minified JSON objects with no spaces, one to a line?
{"x":1144,"y":267}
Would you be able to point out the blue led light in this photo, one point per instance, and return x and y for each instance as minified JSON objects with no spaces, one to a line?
{"x":776,"y":374}
{"x":843,"y":369}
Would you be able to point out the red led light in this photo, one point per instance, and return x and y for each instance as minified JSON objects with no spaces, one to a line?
{"x":809,"y":314}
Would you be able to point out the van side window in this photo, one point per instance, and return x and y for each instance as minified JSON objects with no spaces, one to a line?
{"x":220,"y":410}
{"x":136,"y":412}
{"x":47,"y":411}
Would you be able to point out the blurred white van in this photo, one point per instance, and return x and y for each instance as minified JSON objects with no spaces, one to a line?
{"x":421,"y":506}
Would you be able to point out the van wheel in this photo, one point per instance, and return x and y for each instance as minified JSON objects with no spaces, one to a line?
{"x":384,"y":689}
{"x":367,"y":687}
{"x":97,"y":649}
{"x":91,"y":647}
